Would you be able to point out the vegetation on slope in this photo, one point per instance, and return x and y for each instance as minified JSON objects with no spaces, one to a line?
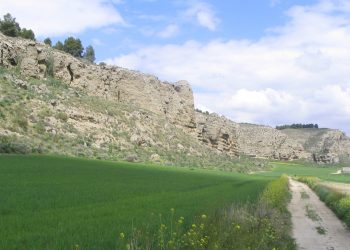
{"x":50,"y":117}
{"x":57,"y":203}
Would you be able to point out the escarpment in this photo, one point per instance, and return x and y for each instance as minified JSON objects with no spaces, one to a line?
{"x":116,"y":112}
{"x":173,"y":101}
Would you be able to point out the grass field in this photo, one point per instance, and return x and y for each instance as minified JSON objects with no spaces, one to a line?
{"x":57,"y":203}
{"x":324,"y":173}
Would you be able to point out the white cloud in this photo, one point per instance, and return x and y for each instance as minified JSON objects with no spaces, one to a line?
{"x":169,"y":31}
{"x":204,"y":15}
{"x":59,"y":17}
{"x":298,"y":72}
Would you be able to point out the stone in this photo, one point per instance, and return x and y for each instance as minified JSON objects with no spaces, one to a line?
{"x":155,"y":158}
{"x":132,"y":158}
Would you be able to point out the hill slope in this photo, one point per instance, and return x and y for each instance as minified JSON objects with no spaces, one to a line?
{"x":325,"y":145}
{"x":56,"y":103}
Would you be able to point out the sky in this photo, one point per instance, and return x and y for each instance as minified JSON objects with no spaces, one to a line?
{"x":269,"y":62}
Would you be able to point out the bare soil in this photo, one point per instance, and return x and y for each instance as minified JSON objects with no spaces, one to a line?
{"x":315,"y":226}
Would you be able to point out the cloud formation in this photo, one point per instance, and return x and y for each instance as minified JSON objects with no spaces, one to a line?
{"x":298,"y":72}
{"x":60,"y":17}
{"x":203,"y":14}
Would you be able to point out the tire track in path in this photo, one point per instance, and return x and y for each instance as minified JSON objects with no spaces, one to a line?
{"x":315,"y":226}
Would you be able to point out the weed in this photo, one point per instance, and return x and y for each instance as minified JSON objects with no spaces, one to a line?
{"x":21,"y":122}
{"x":312,"y":214}
{"x":321,"y":230}
{"x":50,"y":70}
{"x":62,"y":116}
{"x":304,"y":195}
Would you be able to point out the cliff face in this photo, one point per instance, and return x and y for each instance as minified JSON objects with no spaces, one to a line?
{"x":217,"y":132}
{"x":247,"y":139}
{"x":325,"y":145}
{"x":172,"y":101}
{"x":264,"y":141}
{"x":111,"y":109}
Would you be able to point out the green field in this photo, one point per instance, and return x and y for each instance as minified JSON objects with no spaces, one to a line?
{"x":324,"y":173}
{"x":56,"y":203}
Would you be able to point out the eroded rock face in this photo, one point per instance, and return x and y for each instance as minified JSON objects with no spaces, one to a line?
{"x":173,"y":101}
{"x":326,"y":145}
{"x":217,"y":132}
{"x":169,"y":107}
{"x":247,"y":139}
{"x":267,"y":142}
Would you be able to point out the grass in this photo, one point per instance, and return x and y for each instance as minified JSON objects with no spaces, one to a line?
{"x":321,"y":230}
{"x":304,"y":195}
{"x":262,"y":224}
{"x":58,"y":203}
{"x":305,"y":169}
{"x":311,"y":213}
{"x":335,"y":200}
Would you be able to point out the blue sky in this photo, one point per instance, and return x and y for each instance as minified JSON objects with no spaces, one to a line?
{"x":261,"y":61}
{"x":145,"y":20}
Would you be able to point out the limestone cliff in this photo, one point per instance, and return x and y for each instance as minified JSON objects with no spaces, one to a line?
{"x":172,"y":101}
{"x":112,"y":112}
{"x":247,"y":139}
{"x":325,"y":145}
{"x":217,"y":132}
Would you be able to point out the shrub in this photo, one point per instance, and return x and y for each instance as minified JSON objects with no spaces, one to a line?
{"x":62,"y":116}
{"x":7,"y":146}
{"x":343,"y":207}
{"x":22,"y":122}
{"x":50,"y":70}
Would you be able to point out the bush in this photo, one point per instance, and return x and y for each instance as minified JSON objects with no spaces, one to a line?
{"x":62,"y":116}
{"x":22,"y":122}
{"x":50,"y":70}
{"x":7,"y":146}
{"x":343,"y":207}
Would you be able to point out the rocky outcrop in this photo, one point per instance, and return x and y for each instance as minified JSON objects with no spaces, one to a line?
{"x":146,"y":113}
{"x":172,"y":101}
{"x":326,"y":145}
{"x":217,"y":132}
{"x":267,"y":142}
{"x":251,"y":140}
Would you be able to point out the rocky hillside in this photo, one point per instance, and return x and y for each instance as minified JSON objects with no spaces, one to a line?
{"x":325,"y":145}
{"x":54,"y":103}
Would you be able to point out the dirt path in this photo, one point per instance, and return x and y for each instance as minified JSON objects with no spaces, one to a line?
{"x":314,"y":225}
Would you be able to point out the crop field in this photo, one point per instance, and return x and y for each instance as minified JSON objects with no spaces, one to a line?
{"x":324,"y":173}
{"x":51,"y":202}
